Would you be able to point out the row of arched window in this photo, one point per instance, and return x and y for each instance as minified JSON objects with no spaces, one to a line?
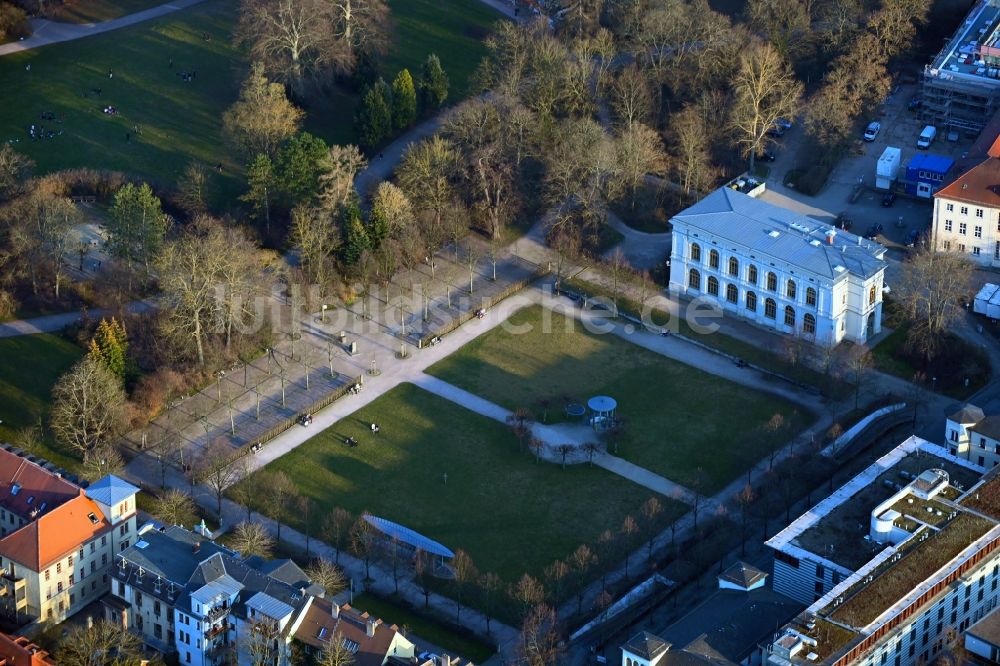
{"x":750,"y":301}
{"x":770,"y":280}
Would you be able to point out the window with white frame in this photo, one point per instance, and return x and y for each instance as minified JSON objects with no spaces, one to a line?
{"x":947,"y":225}
{"x":949,"y":207}
{"x":979,"y":212}
{"x":964,"y":210}
{"x":962,"y":228}
{"x":978,"y":232}
{"x":975,"y":250}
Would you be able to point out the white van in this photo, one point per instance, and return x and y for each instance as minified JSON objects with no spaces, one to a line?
{"x":927,"y":137}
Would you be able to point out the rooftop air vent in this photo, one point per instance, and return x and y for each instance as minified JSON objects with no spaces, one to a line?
{"x":815,"y":243}
{"x":773,"y":234}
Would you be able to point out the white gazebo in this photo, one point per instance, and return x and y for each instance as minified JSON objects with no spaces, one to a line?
{"x":602,"y":411}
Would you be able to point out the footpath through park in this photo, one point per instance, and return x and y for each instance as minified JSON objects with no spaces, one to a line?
{"x":45,"y":32}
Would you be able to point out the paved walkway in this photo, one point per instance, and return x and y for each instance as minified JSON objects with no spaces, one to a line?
{"x":45,"y":32}
{"x":380,"y":167}
{"x":644,"y":250}
{"x":57,"y":322}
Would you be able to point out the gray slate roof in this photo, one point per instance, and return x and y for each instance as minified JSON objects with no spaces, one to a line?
{"x":968,"y":414}
{"x":990,"y":427}
{"x":169,"y":554}
{"x":776,"y":233}
{"x":285,"y":571}
{"x":646,"y":645}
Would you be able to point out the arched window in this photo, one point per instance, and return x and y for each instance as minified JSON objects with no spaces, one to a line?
{"x":713,"y":286}
{"x":791,"y":289}
{"x":752,"y":274}
{"x":809,"y":324}
{"x":713,"y":259}
{"x":732,"y":293}
{"x":871,"y":296}
{"x":751,"y":301}
{"x":789,"y":316}
{"x":811,"y":296}
{"x":694,"y":279}
{"x":695,"y":252}
{"x":734,"y":266}
{"x":770,"y":308}
{"x":772,"y":282}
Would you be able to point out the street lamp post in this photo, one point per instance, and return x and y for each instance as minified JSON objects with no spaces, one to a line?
{"x":323,"y":316}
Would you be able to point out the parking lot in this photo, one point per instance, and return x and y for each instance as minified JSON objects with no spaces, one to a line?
{"x":900,"y":129}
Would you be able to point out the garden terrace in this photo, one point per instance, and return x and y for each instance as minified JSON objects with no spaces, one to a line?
{"x":986,"y":498}
{"x":930,"y":512}
{"x":839,"y":536}
{"x":920,"y":563}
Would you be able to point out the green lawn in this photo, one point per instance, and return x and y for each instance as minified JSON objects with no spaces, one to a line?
{"x":181,"y":120}
{"x":424,"y":627}
{"x":679,"y":419}
{"x":29,"y":367}
{"x":95,"y":11}
{"x":509,"y":513}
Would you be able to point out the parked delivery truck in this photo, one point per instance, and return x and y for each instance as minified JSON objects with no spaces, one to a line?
{"x":927,"y":137}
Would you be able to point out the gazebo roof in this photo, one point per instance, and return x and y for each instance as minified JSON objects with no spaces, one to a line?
{"x":602,"y":403}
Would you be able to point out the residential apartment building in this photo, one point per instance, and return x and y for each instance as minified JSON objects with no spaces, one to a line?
{"x":188,"y":595}
{"x":778,"y":269}
{"x":371,"y":641}
{"x":58,"y":539}
{"x":915,"y":542}
{"x":974,"y":436}
{"x":19,"y":651}
{"x":966,"y":215}
{"x":960,"y":88}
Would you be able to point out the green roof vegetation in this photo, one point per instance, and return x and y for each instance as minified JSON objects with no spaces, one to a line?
{"x":830,"y":638}
{"x":917,"y":508}
{"x":926,"y":557}
{"x":986,"y":498}
{"x":845,"y":527}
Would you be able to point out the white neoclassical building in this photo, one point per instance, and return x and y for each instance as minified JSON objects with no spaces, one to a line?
{"x":778,"y":269}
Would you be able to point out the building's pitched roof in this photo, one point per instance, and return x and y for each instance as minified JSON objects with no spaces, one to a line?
{"x":222,"y":566}
{"x":111,"y":490}
{"x":19,"y":651}
{"x":988,"y":427}
{"x":773,"y":232}
{"x":318,"y":626}
{"x":743,"y":574}
{"x":646,"y":645}
{"x":269,"y":606}
{"x":55,"y":533}
{"x":968,"y":414}
{"x":34,"y":484}
{"x":979,"y":185}
{"x":285,"y":571}
{"x":730,"y":624}
{"x":172,"y":554}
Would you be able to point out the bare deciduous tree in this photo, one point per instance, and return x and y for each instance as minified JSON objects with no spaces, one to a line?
{"x":328,"y":575}
{"x":336,"y":530}
{"x":175,"y":507}
{"x":88,"y":406}
{"x":934,"y":288}
{"x":215,"y":468}
{"x":640,"y":152}
{"x":539,"y":643}
{"x":765,"y":89}
{"x":102,"y":644}
{"x":781,"y":21}
{"x":252,"y":538}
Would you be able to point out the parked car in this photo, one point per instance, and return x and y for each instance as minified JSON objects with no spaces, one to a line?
{"x":874,"y":231}
{"x":843,"y":222}
{"x":888,"y":199}
{"x":872,"y":131}
{"x":776,"y":130}
{"x":912,"y":237}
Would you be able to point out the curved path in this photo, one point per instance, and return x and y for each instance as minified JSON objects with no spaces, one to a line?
{"x":45,"y":32}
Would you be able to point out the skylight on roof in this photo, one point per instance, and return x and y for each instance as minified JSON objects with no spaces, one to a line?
{"x":839,"y":269}
{"x":15,"y":489}
{"x":93,"y":517}
{"x":323,"y":631}
{"x":30,"y":499}
{"x":141,"y":544}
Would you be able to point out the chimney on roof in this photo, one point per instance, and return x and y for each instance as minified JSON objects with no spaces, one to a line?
{"x":445,"y":660}
{"x":370,"y":627}
{"x":196,"y":547}
{"x":965,"y":186}
{"x":335,"y":609}
{"x":830,"y":235}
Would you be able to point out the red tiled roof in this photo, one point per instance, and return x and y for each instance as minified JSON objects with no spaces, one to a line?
{"x":55,"y":533}
{"x":351,"y":626}
{"x":19,"y":651}
{"x":34,"y":482}
{"x":979,"y":185}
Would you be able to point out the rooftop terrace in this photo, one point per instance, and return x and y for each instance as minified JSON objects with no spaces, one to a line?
{"x":838,"y":529}
{"x":973,"y":52}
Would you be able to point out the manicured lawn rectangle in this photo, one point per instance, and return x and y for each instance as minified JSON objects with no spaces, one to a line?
{"x":679,"y":419}
{"x":95,"y":11}
{"x":181,"y":120}
{"x":29,"y":367}
{"x":509,"y":513}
